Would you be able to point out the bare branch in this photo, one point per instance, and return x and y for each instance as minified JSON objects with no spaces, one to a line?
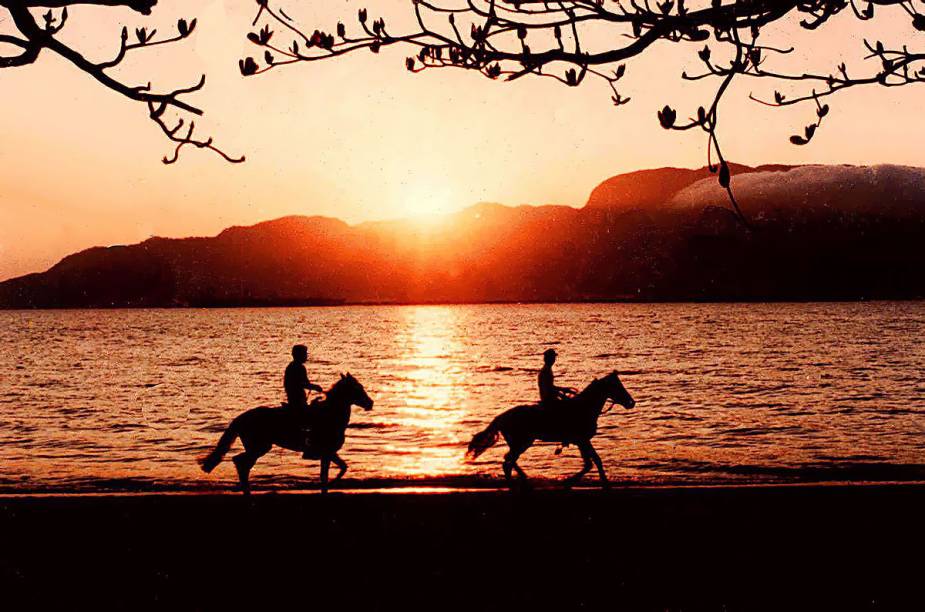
{"x":142,"y":6}
{"x":34,"y":38}
{"x":554,"y":40}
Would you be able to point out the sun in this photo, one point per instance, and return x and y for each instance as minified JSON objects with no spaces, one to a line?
{"x":427,"y":203}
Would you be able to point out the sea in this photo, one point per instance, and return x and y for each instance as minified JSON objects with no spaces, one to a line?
{"x":127,"y":400}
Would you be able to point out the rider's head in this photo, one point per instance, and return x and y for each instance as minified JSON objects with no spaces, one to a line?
{"x":549,"y":356}
{"x":300,"y":353}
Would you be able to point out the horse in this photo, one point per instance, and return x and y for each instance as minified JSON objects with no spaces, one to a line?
{"x":262,"y":427}
{"x":569,"y":421}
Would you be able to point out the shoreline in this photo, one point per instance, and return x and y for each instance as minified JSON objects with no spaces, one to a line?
{"x":436,"y":489}
{"x":333,"y":303}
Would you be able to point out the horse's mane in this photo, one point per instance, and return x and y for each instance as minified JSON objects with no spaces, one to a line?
{"x":343,"y":380}
{"x":591,"y":385}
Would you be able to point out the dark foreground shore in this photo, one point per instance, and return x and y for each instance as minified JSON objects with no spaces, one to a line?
{"x":768,"y":548}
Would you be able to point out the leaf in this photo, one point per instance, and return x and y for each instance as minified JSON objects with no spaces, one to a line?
{"x":253,"y":38}
{"x":822,"y":111}
{"x":809,"y":131}
{"x":621,"y":70}
{"x":705,"y":53}
{"x":667,"y":117}
{"x":182,"y":27}
{"x":341,"y":29}
{"x":362,"y":15}
{"x":140,"y":35}
{"x":268,"y":57}
{"x":797,"y":140}
{"x":409,"y":64}
{"x":248,"y":66}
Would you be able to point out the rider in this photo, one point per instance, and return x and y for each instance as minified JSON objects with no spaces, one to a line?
{"x":295,"y":380}
{"x":549,"y":392}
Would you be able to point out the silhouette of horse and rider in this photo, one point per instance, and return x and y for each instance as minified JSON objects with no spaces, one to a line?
{"x":563,"y":415}
{"x":316,"y":429}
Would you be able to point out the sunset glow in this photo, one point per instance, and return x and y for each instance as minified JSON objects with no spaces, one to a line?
{"x":462,"y":305}
{"x":381,"y":143}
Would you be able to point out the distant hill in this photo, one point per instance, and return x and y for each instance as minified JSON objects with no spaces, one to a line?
{"x":817,"y":232}
{"x":645,"y":188}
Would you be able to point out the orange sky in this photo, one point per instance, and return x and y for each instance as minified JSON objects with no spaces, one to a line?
{"x":361,"y":138}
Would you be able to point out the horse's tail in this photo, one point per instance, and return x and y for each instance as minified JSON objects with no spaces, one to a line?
{"x":211,"y":460}
{"x":483,"y":440}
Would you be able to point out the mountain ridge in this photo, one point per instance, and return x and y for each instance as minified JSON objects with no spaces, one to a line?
{"x":818,"y":232}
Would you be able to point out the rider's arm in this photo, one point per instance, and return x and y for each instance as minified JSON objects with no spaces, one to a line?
{"x":565,"y":391}
{"x":307,"y":384}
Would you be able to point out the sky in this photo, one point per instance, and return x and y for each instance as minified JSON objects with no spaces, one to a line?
{"x":360,"y":138}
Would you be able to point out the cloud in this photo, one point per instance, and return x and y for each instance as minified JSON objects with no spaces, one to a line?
{"x":887,"y":190}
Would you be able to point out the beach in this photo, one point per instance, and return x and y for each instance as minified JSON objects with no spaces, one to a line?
{"x":813,"y":547}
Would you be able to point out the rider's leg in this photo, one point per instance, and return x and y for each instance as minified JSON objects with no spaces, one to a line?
{"x":341,"y":467}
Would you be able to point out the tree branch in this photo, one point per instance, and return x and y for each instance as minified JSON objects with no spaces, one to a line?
{"x":35,"y":38}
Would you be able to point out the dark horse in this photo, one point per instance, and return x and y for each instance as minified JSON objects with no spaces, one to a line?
{"x":261,"y":428}
{"x":570,"y":421}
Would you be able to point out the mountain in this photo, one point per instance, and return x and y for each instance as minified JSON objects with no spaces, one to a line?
{"x":814,"y":232}
{"x":645,"y":188}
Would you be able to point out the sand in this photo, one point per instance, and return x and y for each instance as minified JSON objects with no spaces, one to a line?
{"x":723,"y":548}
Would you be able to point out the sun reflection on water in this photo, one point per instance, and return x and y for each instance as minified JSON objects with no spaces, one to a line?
{"x":431,"y":396}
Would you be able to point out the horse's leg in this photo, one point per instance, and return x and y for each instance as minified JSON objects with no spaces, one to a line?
{"x":254,"y":449}
{"x":510,"y":460}
{"x":341,"y":467}
{"x":586,"y":457}
{"x":507,"y":466}
{"x":243,"y":462}
{"x":325,"y":466}
{"x":599,"y":465}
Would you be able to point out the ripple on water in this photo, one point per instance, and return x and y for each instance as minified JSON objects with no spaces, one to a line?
{"x":782,"y":392}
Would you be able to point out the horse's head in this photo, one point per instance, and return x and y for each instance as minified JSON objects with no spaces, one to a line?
{"x":615,"y":390}
{"x":354,"y":391}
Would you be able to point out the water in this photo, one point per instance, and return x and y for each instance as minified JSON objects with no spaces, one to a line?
{"x":99,"y":399}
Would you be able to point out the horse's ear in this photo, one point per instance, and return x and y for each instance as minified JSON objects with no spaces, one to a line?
{"x":342,"y":376}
